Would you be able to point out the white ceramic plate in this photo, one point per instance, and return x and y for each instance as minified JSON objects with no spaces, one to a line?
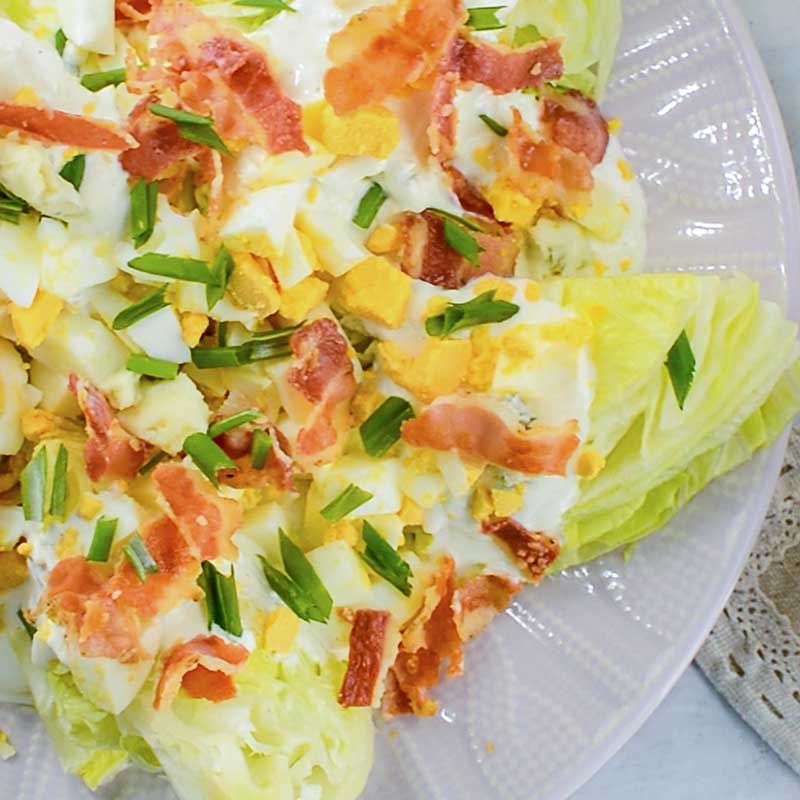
{"x":560,"y":682}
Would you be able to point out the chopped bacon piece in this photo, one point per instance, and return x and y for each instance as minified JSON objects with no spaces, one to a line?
{"x":216,"y":70}
{"x":505,"y":70}
{"x":207,"y":520}
{"x":160,"y":146}
{"x":132,"y":10}
{"x":577,"y":124}
{"x":324,"y":376}
{"x":62,"y":128}
{"x":426,"y":255}
{"x":373,"y":645}
{"x":204,"y":667}
{"x":111,"y":452}
{"x":278,"y":468}
{"x":479,"y":600}
{"x":378,"y":53}
{"x":478,"y":432}
{"x":448,"y":617}
{"x":535,"y":551}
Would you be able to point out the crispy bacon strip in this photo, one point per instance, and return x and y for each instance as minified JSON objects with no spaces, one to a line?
{"x":216,"y":70}
{"x":425,"y":254}
{"x":478,"y":432}
{"x":378,"y":53}
{"x":278,"y":468}
{"x":132,"y":10}
{"x":535,"y":551}
{"x":207,"y":520}
{"x":373,"y":645}
{"x":106,"y":607}
{"x":204,"y":667}
{"x":324,"y":376}
{"x":62,"y":128}
{"x":111,"y":452}
{"x":449,"y":616}
{"x":160,"y":146}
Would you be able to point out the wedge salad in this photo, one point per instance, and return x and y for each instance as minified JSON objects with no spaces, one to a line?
{"x":323,"y":332}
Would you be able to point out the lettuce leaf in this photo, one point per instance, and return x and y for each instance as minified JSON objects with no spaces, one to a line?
{"x":589,"y":31}
{"x":283,"y":736}
{"x":746,"y":389}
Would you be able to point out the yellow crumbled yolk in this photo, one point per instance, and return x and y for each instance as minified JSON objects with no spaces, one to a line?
{"x":517,"y":342}
{"x":280,"y":630}
{"x":484,"y":157}
{"x":367,"y":398}
{"x":600,"y":267}
{"x":507,"y":501}
{"x":590,"y":464}
{"x":503,"y":289}
{"x":13,"y":570}
{"x":375,"y":289}
{"x":251,"y":286}
{"x":510,"y":205}
{"x":576,"y":332}
{"x":625,"y":170}
{"x":625,"y":265}
{"x":384,"y":239}
{"x":32,"y":324}
{"x":438,"y":369}
{"x":38,"y":424}
{"x":89,"y":506}
{"x":614,"y":125}
{"x":577,"y":211}
{"x":193,"y":326}
{"x":596,"y":313}
{"x":490,"y":747}
{"x":26,"y":96}
{"x":485,"y":350}
{"x":346,"y":530}
{"x":435,"y":306}
{"x":68,"y":544}
{"x":410,"y":512}
{"x":480,"y":504}
{"x":25,"y":549}
{"x":533,"y":291}
{"x":373,"y":131}
{"x":301,"y":298}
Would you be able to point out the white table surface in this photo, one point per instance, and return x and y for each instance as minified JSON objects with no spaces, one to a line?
{"x":695,"y":747}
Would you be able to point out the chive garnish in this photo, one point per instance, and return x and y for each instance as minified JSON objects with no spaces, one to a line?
{"x":192,"y":127}
{"x":104,"y":531}
{"x":60,"y":41}
{"x":493,"y":125}
{"x":263,"y":348}
{"x":144,"y":202}
{"x":152,"y":367}
{"x":33,"y":483}
{"x":383,"y":559}
{"x":222,"y":599}
{"x":96,"y":81}
{"x":138,"y":311}
{"x":29,"y":629}
{"x":229,"y":423}
{"x":137,"y":553}
{"x":72,"y":172}
{"x":382,"y":428}
{"x":480,"y":311}
{"x":184,"y":269}
{"x":485,"y":18}
{"x":58,"y":495}
{"x":220,"y":274}
{"x":153,"y":462}
{"x":260,"y":448}
{"x":681,"y":365}
{"x":207,"y":455}
{"x":370,"y":205}
{"x":349,"y":500}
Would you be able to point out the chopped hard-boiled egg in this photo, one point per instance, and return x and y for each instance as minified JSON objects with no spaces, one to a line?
{"x":375,"y":289}
{"x":373,"y":131}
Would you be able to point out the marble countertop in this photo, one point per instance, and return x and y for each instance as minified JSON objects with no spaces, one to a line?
{"x":695,"y":746}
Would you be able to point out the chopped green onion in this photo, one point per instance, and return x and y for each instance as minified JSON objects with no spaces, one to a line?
{"x":192,"y":127}
{"x":681,"y":365}
{"x":11,"y":206}
{"x":301,"y":590}
{"x":485,"y":18}
{"x":463,"y":221}
{"x":278,"y":5}
{"x":299,"y":569}
{"x":72,"y":172}
{"x":33,"y":484}
{"x":222,"y":334}
{"x":493,"y":125}
{"x":370,"y":205}
{"x":349,"y":500}
{"x":462,"y":242}
{"x":383,"y":559}
{"x":137,"y":553}
{"x":152,"y":367}
{"x":29,"y":629}
{"x":183,"y":269}
{"x":153,"y":462}
{"x":144,"y":202}
{"x":269,"y":347}
{"x":382,"y":428}
{"x":229,"y":423}
{"x":527,"y":34}
{"x":480,"y":311}
{"x":58,"y":495}
{"x":99,"y":80}
{"x":176,"y":115}
{"x":209,"y":457}
{"x":221,"y":271}
{"x":138,"y":311}
{"x":259,"y":449}
{"x":60,"y":41}
{"x":222,"y":599}
{"x":104,"y":531}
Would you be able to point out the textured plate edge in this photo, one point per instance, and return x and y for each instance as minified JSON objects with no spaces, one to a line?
{"x":787,"y":187}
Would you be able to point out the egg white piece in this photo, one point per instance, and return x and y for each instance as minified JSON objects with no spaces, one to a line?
{"x":89,"y":23}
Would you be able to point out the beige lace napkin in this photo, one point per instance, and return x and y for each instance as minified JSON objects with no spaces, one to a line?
{"x":753,"y":654}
